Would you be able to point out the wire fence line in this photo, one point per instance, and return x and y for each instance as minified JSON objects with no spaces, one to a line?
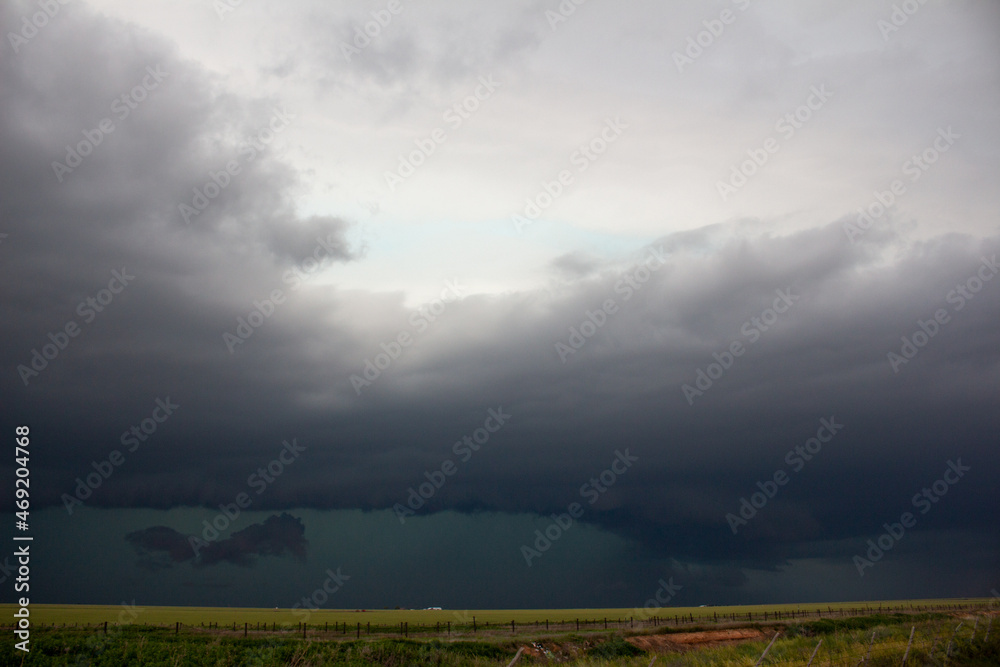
{"x":343,"y":629}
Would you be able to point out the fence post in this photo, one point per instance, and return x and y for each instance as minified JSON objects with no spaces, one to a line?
{"x":473,"y":623}
{"x":761,"y":658}
{"x":908,"y":644}
{"x":870,"y":644}
{"x":177,"y":628}
{"x":517,"y":656}
{"x":512,"y":630}
{"x":815,"y":651}
{"x":359,"y":629}
{"x":245,"y":624}
{"x":953,"y":637}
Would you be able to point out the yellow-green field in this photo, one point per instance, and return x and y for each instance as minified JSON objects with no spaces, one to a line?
{"x":143,"y":615}
{"x":928,"y":632}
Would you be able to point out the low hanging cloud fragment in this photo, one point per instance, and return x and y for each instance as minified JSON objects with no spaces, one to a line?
{"x":160,"y":547}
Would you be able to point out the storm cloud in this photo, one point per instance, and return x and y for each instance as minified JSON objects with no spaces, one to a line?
{"x":162,"y":546}
{"x":182,"y":228}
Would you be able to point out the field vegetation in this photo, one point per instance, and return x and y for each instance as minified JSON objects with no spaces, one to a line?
{"x":952,"y":632}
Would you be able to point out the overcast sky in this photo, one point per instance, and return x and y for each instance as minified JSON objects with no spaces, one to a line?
{"x":694,"y":290}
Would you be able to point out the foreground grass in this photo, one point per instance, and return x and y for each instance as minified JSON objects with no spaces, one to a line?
{"x":851,"y":642}
{"x":845,"y":641}
{"x":151,"y":646}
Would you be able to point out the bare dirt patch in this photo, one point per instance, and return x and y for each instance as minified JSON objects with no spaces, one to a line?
{"x":686,"y":641}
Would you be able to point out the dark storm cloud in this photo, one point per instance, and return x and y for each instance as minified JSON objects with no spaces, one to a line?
{"x":196,"y":279}
{"x":120,"y":210}
{"x":824,"y":358}
{"x":160,"y":547}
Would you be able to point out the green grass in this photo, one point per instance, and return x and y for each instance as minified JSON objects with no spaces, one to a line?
{"x":151,"y":639}
{"x":194,"y":616}
{"x":842,"y":645}
{"x":153,"y":646}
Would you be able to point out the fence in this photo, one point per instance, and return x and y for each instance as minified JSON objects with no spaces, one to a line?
{"x":338,"y":629}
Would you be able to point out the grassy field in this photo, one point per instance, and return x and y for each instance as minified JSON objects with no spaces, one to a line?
{"x":948,"y":635}
{"x":223,"y":616}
